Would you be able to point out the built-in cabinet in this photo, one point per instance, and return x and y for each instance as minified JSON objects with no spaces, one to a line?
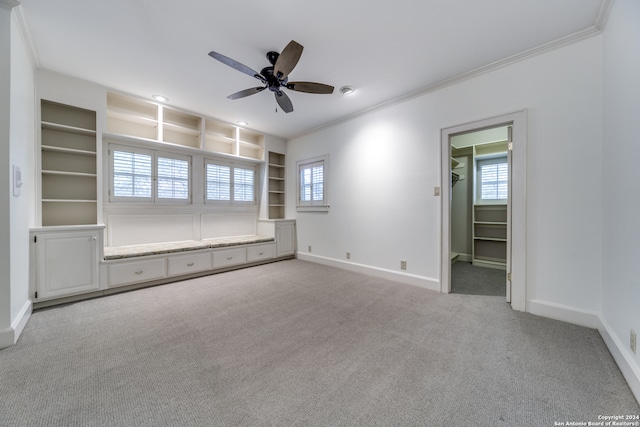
{"x":68,"y":165}
{"x":285,"y":238}
{"x":138,"y":118}
{"x":65,"y":261}
{"x":490,"y":236}
{"x":276,"y":185}
{"x":67,"y":247}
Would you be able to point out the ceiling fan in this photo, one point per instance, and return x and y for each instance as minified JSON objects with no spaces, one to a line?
{"x":276,"y":76}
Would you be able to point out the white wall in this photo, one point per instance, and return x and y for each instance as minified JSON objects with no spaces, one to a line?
{"x":385,"y":164}
{"x":6,"y":333}
{"x":621,"y":195}
{"x":16,"y":145}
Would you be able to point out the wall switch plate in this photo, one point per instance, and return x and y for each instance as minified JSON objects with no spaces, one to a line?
{"x":436,"y":191}
{"x":632,"y":341}
{"x":403,"y":265}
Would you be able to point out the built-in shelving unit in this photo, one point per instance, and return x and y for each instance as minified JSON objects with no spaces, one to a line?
{"x":138,"y":118}
{"x":490,"y":236}
{"x":68,"y":165}
{"x":133,"y":117}
{"x":181,"y":128}
{"x":276,"y":185}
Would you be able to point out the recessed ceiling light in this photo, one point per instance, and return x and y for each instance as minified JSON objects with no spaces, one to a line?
{"x":347,"y":90}
{"x":160,"y":98}
{"x":242,"y":123}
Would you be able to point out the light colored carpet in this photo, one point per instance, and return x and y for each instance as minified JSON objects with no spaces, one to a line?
{"x":473,"y":280}
{"x":299,"y":344}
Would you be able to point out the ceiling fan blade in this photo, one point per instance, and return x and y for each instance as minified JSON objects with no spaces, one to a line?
{"x":236,"y":65}
{"x":310,"y":87}
{"x":287,"y":59}
{"x":246,"y":92}
{"x":283,"y":101}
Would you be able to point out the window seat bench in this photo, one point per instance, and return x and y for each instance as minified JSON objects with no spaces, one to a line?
{"x":133,"y":251}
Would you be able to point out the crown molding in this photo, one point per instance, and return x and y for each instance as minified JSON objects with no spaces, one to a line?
{"x":23,"y":29}
{"x":594,"y":30}
{"x":9,"y":4}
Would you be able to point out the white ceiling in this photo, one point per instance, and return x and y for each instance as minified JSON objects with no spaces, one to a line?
{"x":386,"y":50}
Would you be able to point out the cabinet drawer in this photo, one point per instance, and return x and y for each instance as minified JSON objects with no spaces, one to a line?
{"x":185,"y":264}
{"x":228,"y":257}
{"x":256,"y":253}
{"x":136,"y":271}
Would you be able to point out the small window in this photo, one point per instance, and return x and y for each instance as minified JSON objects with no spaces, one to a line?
{"x":493,"y":179}
{"x":230,"y":183}
{"x":312,"y":184}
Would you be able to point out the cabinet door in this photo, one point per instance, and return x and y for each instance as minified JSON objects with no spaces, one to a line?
{"x":67,"y":264}
{"x":285,"y":238}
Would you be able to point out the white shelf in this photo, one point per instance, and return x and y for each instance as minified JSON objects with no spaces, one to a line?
{"x":68,"y":165}
{"x":67,"y":128}
{"x":68,"y":150}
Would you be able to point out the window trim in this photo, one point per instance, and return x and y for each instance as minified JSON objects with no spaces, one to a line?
{"x":313,"y":205}
{"x":232,"y":166}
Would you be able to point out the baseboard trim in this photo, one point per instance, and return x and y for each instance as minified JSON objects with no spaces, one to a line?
{"x":591,"y":319}
{"x":622,"y":356}
{"x":21,"y":320}
{"x":406,"y":278}
{"x":9,"y":336}
{"x":565,"y":313}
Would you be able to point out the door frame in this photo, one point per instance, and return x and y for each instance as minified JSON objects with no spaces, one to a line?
{"x":517,"y":246}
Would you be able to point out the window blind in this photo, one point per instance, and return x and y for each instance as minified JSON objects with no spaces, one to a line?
{"x":218,"y":182}
{"x":131,"y":174}
{"x":494,"y":179}
{"x":173,"y":178}
{"x":243,"y":184}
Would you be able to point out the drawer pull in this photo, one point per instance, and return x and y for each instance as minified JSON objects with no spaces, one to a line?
{"x":139,"y":271}
{"x":260,"y":253}
{"x":229,"y":258}
{"x":190,"y":264}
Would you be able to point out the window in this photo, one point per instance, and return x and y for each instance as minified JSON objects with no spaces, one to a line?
{"x":173,"y":178}
{"x":148,"y":176}
{"x":132,"y":174}
{"x":312,"y":184}
{"x":230,"y":183}
{"x":493,"y":179}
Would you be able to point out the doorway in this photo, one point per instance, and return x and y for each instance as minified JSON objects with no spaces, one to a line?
{"x":514,"y":242}
{"x":478,"y":215}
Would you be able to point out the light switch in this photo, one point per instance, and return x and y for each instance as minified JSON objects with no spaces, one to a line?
{"x":436,"y":191}
{"x":17,"y":180}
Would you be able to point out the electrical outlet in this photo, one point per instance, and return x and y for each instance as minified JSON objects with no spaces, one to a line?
{"x":348,"y":255}
{"x":632,"y":341}
{"x":309,"y":250}
{"x":403,"y":265}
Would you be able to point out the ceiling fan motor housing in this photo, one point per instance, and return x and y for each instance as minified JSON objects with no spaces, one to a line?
{"x":273,"y":83}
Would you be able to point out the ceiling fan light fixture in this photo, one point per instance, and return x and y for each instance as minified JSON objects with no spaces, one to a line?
{"x":347,"y":90}
{"x":241,"y":123}
{"x":160,"y":98}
